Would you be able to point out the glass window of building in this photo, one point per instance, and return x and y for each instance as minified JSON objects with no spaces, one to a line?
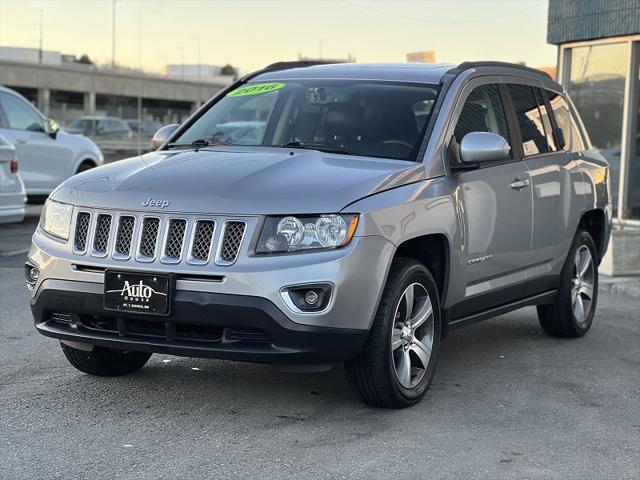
{"x":596,"y":84}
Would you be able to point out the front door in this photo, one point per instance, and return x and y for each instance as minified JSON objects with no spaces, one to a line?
{"x":496,"y":211}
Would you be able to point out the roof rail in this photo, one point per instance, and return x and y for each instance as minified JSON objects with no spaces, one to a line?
{"x":467,"y":65}
{"x":294,"y":64}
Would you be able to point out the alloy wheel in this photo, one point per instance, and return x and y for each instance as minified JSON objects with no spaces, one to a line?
{"x":582,"y":284}
{"x":412,"y":335}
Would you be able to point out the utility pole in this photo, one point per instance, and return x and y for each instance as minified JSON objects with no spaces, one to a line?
{"x":41,"y":36}
{"x":181,"y":61}
{"x":320,"y":43}
{"x":113,"y":34}
{"x":199,"y":40}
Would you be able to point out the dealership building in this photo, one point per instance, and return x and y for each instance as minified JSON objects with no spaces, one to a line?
{"x":599,"y":65}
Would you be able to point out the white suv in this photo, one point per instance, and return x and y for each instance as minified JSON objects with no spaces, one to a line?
{"x":47,"y":155}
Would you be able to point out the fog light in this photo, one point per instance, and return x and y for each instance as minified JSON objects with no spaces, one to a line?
{"x":311,"y":297}
{"x":307,"y":298}
{"x":31,"y":275}
{"x":34,"y":273}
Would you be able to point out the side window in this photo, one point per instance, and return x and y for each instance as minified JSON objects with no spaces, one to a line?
{"x":546,"y":121}
{"x":534,"y":140}
{"x":482,"y":112}
{"x":19,"y":115}
{"x":562,"y":115}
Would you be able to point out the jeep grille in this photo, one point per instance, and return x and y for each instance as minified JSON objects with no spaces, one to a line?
{"x":231,"y":240}
{"x":101,"y":238}
{"x":159,"y":238}
{"x":82,"y":231}
{"x":124,"y":236}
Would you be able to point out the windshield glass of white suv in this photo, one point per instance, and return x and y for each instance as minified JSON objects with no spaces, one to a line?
{"x":361,"y":117}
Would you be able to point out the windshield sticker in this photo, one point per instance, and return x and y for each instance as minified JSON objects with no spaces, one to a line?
{"x":255,"y":89}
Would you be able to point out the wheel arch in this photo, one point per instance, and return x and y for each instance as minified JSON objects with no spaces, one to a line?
{"x":85,"y":161}
{"x":433,"y":251}
{"x":594,"y":222}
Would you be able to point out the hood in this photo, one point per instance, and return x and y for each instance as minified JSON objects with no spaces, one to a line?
{"x":244,"y":180}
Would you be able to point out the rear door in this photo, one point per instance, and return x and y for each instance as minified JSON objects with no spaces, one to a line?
{"x":494,"y":208}
{"x":551,"y":167}
{"x":44,"y":163}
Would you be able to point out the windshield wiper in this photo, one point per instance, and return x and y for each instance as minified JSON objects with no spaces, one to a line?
{"x":198,"y":144}
{"x":318,"y":146}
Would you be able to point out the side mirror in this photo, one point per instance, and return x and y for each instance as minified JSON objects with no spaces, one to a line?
{"x":163,"y":134}
{"x":481,"y":147}
{"x":52,"y":128}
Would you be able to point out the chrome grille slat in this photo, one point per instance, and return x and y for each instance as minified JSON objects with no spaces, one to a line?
{"x":174,"y":239}
{"x":124,"y":236}
{"x":232,"y":235}
{"x":101,"y":235}
{"x":202,"y":241}
{"x":149,"y":237}
{"x":83,"y":222}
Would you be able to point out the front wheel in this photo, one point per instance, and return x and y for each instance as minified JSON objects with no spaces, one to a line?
{"x":398,"y":360}
{"x":571,"y":314}
{"x":106,"y":362}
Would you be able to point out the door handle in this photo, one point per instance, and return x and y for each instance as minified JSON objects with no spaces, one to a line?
{"x":21,"y":140}
{"x":518,"y":184}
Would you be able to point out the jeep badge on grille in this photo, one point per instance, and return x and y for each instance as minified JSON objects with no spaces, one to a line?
{"x":150,"y":202}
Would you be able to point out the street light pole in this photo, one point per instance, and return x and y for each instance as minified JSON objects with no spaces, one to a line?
{"x":181,"y":61}
{"x":113,"y":34}
{"x":199,"y":40}
{"x":41,"y":36}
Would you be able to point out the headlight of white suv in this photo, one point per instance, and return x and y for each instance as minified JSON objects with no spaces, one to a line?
{"x":294,"y":234}
{"x":56,"y":219}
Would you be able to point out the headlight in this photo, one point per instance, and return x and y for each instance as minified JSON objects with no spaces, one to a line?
{"x":294,"y":234}
{"x":56,"y":219}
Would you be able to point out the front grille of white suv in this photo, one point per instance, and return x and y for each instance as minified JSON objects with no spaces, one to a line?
{"x":169,"y":239}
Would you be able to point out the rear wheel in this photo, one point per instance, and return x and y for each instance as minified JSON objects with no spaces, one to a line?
{"x":571,"y":315}
{"x":398,"y":360}
{"x":84,"y":166}
{"x":106,"y":362}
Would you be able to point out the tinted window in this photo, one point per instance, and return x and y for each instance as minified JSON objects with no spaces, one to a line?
{"x":546,"y":122}
{"x":529,"y":118}
{"x":365,"y":117}
{"x":482,"y":112}
{"x":19,"y":115}
{"x":562,"y":115}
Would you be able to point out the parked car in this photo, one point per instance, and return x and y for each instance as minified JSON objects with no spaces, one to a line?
{"x":101,"y":128}
{"x":47,"y":155}
{"x":12,"y":193}
{"x":356,"y":229}
{"x":143,"y":128}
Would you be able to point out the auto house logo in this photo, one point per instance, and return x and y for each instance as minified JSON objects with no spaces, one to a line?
{"x":138,"y":293}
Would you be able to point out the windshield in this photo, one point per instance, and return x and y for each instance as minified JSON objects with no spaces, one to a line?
{"x":363,"y":117}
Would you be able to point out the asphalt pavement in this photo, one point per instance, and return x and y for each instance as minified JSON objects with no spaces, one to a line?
{"x":507,"y":402}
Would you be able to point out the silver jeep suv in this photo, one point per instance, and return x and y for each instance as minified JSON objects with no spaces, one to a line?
{"x":314,"y":214}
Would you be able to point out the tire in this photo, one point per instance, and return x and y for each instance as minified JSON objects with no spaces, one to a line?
{"x":84,"y":166}
{"x":377,"y":375}
{"x":563,"y":317}
{"x":105,"y":362}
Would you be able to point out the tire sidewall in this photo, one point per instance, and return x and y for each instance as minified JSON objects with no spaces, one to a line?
{"x":414,"y":273}
{"x":582,"y":238}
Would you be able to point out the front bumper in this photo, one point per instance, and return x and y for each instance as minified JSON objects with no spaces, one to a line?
{"x":240,"y":314}
{"x":232,"y":327}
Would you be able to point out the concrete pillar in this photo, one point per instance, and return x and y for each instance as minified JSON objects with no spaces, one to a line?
{"x":44,"y":101}
{"x":195,"y":106}
{"x":90,"y":103}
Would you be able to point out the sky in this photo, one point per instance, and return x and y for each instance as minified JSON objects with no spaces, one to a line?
{"x":252,"y":34}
